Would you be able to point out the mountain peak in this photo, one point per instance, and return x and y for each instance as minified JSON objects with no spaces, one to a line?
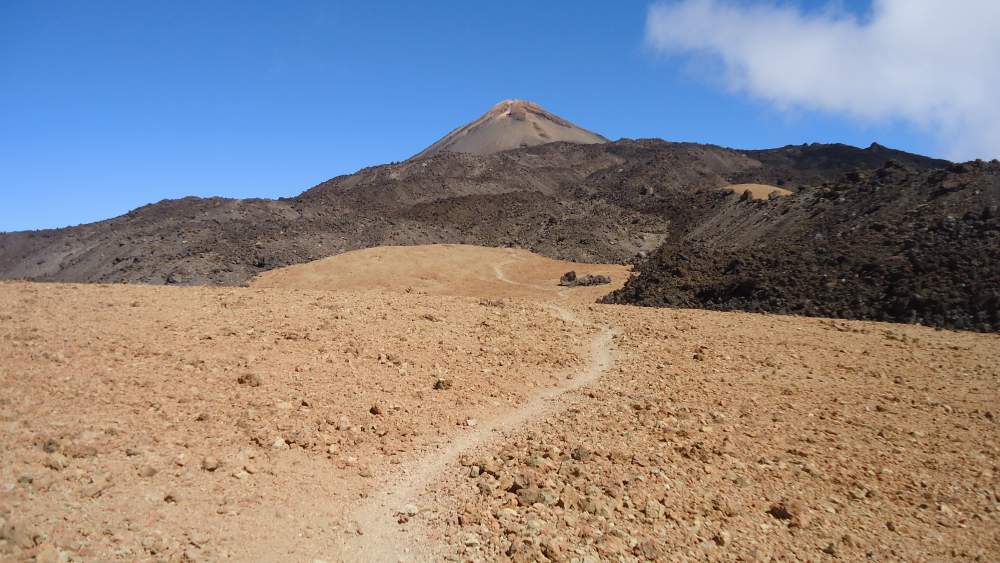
{"x":511,"y":124}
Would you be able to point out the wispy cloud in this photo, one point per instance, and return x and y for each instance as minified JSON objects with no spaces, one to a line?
{"x":932,"y":63}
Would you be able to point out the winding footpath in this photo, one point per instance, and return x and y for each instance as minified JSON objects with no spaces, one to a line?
{"x":380,"y":537}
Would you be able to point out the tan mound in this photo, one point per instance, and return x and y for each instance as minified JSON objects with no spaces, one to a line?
{"x":444,"y":269}
{"x":509,"y":125}
{"x":758,"y":191}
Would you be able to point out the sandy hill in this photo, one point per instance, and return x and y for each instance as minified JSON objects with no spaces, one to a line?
{"x":511,"y":124}
{"x":757,"y":191}
{"x":445,"y":269}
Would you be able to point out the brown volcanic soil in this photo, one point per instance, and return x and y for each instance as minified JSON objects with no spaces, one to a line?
{"x":731,"y":436}
{"x":594,"y":431}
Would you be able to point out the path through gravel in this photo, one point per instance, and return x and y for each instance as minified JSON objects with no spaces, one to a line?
{"x":379,"y":536}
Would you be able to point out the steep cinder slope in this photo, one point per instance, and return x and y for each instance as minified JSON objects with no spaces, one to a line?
{"x":892,"y":244}
{"x":511,"y":124}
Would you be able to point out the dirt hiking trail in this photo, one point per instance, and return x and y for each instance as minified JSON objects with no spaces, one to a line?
{"x":379,"y":535}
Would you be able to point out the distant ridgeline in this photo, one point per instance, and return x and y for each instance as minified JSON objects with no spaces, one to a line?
{"x":827,"y":230}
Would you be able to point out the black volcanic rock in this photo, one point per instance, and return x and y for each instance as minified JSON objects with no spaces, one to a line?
{"x":891,"y":244}
{"x":816,"y":163}
{"x":570,"y":279}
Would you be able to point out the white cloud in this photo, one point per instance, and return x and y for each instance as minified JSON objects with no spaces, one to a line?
{"x":931,"y":63}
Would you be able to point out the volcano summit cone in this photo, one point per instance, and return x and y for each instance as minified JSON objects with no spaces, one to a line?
{"x":509,"y":125}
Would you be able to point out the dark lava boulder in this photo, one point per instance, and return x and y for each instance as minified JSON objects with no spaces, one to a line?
{"x":569,"y":279}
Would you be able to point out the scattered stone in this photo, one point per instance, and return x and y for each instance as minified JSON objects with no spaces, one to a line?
{"x":536,"y":525}
{"x":528,"y":496}
{"x":649,"y":550}
{"x":653,"y":509}
{"x":79,"y":450}
{"x":147,"y":471}
{"x":49,"y":445}
{"x":210,"y":463}
{"x":199,"y":538}
{"x":552,"y":549}
{"x":249,"y":379}
{"x":780,"y":511}
{"x":506,"y":513}
{"x":570,"y":279}
{"x":490,"y":468}
{"x":485,"y":487}
{"x":569,"y":498}
{"x":470,"y":540}
{"x":97,"y":487}
{"x":442,"y":384}
{"x":375,"y":410}
{"x":56,"y":461}
{"x":279,"y":444}
{"x":548,"y":497}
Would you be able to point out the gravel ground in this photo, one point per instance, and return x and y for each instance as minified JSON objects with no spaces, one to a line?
{"x":184,"y":423}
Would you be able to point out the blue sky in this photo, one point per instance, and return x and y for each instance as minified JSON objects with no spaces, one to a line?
{"x":105,"y":106}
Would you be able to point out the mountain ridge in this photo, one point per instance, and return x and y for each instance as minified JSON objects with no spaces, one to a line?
{"x":227,"y":241}
{"x":654,"y":203}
